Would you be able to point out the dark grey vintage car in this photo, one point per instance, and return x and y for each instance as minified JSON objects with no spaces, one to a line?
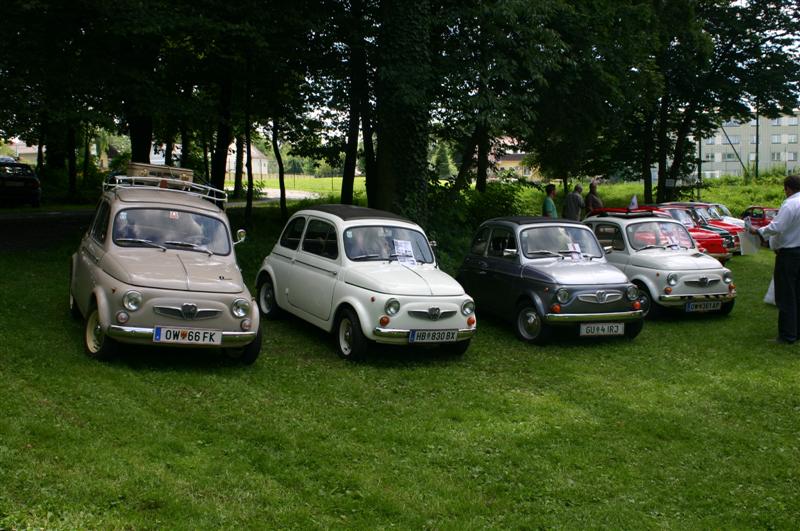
{"x":543,"y":273}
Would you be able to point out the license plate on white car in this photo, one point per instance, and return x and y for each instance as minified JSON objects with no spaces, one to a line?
{"x":602,"y":329}
{"x":433,"y":336}
{"x":706,"y":306}
{"x":186,"y":336}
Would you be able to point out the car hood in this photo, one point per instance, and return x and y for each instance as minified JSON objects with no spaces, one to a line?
{"x":395,"y":278}
{"x":674,"y":260}
{"x":574,"y":272}
{"x":179,"y":270}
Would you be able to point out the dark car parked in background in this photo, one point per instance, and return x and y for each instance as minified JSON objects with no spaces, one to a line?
{"x":19,"y":184}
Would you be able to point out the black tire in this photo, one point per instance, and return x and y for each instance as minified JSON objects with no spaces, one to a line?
{"x":350,"y":341}
{"x":632,"y":329}
{"x":651,"y":309}
{"x":95,"y":342}
{"x":267,"y":304}
{"x":727,"y":307}
{"x":459,"y":348}
{"x":529,"y":325}
{"x":248,"y":354}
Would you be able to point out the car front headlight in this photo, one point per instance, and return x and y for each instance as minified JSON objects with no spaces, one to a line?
{"x":632,"y":293}
{"x":132,"y":300}
{"x":392,"y":306}
{"x":672,"y":279}
{"x":468,"y":308}
{"x":240,"y":307}
{"x":562,"y":295}
{"x":727,"y":278}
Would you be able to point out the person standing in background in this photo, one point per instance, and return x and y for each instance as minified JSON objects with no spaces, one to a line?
{"x":593,"y":201}
{"x":574,"y":206}
{"x":784,"y":235}
{"x":549,"y":205}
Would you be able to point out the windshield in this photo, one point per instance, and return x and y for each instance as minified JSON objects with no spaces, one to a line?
{"x":384,"y":242}
{"x":724,"y":210}
{"x":682,"y":216}
{"x":542,"y":241}
{"x":658,"y":234}
{"x":715,"y":213}
{"x":177,"y":229}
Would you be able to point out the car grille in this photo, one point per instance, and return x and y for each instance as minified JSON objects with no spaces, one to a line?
{"x":431,"y":314}
{"x":188,"y":312}
{"x":601,"y":297}
{"x":702,"y":282}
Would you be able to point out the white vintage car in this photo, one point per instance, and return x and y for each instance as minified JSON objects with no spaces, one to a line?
{"x":157,"y":267}
{"x":660,"y":257}
{"x":366,"y":275}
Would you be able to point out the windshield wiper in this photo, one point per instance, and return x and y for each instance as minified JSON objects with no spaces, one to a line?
{"x":142,"y":241}
{"x":545,"y":253}
{"x":193,"y":246}
{"x":651,"y":246}
{"x":365,"y":257}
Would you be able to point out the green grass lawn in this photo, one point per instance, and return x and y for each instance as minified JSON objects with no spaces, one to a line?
{"x":695,"y":424}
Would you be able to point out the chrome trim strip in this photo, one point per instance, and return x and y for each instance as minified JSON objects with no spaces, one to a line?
{"x":423,"y":314}
{"x":177,"y":313}
{"x":698,"y":297}
{"x":593,"y":317}
{"x":132,"y":333}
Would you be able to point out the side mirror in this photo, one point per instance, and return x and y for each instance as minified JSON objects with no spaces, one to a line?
{"x":433,"y":243}
{"x":241,"y":235}
{"x":608,"y":249}
{"x":509,"y":253}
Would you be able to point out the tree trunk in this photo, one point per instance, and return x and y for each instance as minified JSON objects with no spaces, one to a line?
{"x":357,"y":64}
{"x":72,"y":169}
{"x":186,"y":145}
{"x":86,"y":155}
{"x":462,"y":182}
{"x":141,"y":132}
{"x":169,"y":147}
{"x":370,"y":166}
{"x":647,"y":157}
{"x":206,"y":175}
{"x":248,"y":209}
{"x":483,"y":157}
{"x":219,"y":158}
{"x":663,"y":143}
{"x":276,"y":148}
{"x":40,"y":147}
{"x":237,"y":177}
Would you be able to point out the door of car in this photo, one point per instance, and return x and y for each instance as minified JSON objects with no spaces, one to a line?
{"x":315,"y":270}
{"x":500,"y":283}
{"x":474,"y":269}
{"x":283,"y":256}
{"x":610,"y":235}
{"x":90,"y":252}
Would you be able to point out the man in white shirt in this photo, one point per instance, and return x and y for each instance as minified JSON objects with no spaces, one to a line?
{"x":784,"y":235}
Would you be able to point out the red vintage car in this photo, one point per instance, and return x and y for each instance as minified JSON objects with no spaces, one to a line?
{"x":704,"y":216}
{"x":712,"y":243}
{"x":760,"y":216}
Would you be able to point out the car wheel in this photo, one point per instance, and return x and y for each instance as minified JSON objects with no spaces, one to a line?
{"x":249,"y":354}
{"x":632,"y":329}
{"x":530,"y":325}
{"x":650,"y":308}
{"x":349,"y":337}
{"x":96,"y":343}
{"x":266,"y":299}
{"x":456,"y":349}
{"x":727,"y":307}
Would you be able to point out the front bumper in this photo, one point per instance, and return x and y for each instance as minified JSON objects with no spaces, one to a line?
{"x":568,"y":318}
{"x":680,"y":300}
{"x":132,"y":334}
{"x":396,"y":336}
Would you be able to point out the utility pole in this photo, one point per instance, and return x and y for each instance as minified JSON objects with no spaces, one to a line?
{"x":758,"y":142}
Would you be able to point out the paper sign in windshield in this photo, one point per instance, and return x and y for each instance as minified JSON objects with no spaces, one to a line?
{"x":575,"y":250}
{"x":404,"y":252}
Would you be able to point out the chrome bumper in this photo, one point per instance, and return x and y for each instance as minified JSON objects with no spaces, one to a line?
{"x":400,"y":337}
{"x":564,"y":318}
{"x":132,"y":334}
{"x":679,"y":300}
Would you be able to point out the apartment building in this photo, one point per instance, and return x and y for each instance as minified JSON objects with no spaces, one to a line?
{"x":735,"y":145}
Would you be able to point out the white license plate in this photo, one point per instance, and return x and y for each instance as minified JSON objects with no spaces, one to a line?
{"x":707,"y":306}
{"x":602,"y":329}
{"x":433,"y":336}
{"x":187,"y":336}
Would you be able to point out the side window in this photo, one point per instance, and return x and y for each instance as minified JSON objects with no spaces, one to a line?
{"x":481,"y":241}
{"x":502,"y":244}
{"x":100,"y":225}
{"x":320,"y":239}
{"x":610,"y":235}
{"x":292,"y":233}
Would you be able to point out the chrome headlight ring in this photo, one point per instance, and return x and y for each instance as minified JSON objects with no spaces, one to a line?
{"x":562,"y":295}
{"x":392,"y":307}
{"x":632,"y":293}
{"x":467,"y":308}
{"x":240,"y":307}
{"x":727,"y":278}
{"x":672,"y":279}
{"x":132,"y":300}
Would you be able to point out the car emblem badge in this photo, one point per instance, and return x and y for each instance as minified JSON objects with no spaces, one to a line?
{"x":601,"y":296}
{"x":434,"y":313}
{"x":189,"y":311}
{"x":703,"y":281}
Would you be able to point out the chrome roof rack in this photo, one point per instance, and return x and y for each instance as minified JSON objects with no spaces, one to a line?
{"x":116,"y":182}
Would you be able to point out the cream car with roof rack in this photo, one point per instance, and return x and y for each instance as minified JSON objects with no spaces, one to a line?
{"x":367,"y":276}
{"x":157,"y":267}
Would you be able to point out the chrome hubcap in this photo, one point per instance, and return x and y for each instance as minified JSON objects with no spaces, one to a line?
{"x":267,"y":298}
{"x":346,"y":337}
{"x":94,"y":333}
{"x":529,"y":323}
